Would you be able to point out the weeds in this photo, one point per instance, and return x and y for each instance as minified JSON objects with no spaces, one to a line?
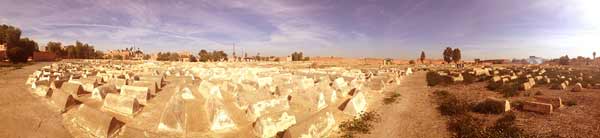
{"x":463,"y":125}
{"x":362,"y":125}
{"x":391,"y":99}
{"x":449,"y":105}
{"x":466,"y":126}
{"x":505,"y":128}
{"x":517,"y":105}
{"x":507,"y":89}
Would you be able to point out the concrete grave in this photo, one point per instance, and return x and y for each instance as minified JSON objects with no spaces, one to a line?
{"x":537,"y":107}
{"x":142,"y":94}
{"x":100,"y":92}
{"x":124,"y":105}
{"x":97,"y":123}
{"x":63,"y":100}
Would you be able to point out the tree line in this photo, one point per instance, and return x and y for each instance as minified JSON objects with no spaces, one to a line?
{"x":78,"y":51}
{"x":205,"y":56}
{"x":452,"y":55}
{"x":19,"y":49}
{"x":298,"y":56}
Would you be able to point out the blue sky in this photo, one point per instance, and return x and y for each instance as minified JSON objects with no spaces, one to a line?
{"x":350,"y":28}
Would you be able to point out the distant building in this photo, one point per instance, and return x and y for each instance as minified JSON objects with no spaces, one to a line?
{"x":535,"y":60}
{"x":496,"y":61}
{"x":127,"y":54}
{"x":43,"y":56}
{"x":184,"y":56}
{"x":387,"y":61}
{"x":3,"y":53}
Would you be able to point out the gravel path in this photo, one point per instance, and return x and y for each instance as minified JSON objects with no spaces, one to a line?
{"x":413,"y":116}
{"x":21,"y":114}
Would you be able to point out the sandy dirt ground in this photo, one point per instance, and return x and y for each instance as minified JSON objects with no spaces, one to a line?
{"x":27,"y":115}
{"x":413,"y":116}
{"x":21,"y":114}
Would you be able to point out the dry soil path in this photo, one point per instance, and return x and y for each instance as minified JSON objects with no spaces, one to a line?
{"x":413,"y":116}
{"x":21,"y":113}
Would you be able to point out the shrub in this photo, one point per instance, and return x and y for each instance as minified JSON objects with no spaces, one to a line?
{"x":17,"y":55}
{"x":493,"y":86}
{"x":517,"y":105}
{"x":449,"y":105}
{"x":466,"y":126}
{"x":570,"y":103}
{"x":441,"y":93}
{"x":360,"y":125}
{"x":433,"y":79}
{"x":469,"y":78}
{"x":507,"y":89}
{"x":489,"y":107}
{"x":505,"y":128}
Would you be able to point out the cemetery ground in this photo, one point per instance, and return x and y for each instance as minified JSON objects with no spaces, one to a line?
{"x":103,"y":98}
{"x":559,"y":101}
{"x":23,"y":115}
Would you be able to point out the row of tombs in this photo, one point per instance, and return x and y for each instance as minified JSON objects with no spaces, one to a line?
{"x":108,"y":99}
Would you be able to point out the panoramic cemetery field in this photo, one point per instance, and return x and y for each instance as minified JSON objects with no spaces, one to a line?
{"x":107,"y":98}
{"x":104,"y":98}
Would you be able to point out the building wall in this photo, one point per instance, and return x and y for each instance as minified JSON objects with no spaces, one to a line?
{"x":44,"y":56}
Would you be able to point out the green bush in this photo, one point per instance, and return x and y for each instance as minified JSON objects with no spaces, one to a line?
{"x":17,"y":55}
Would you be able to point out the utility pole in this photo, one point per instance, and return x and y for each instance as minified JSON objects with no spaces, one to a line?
{"x":234,"y":58}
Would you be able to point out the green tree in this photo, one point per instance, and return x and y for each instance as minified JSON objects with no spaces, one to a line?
{"x":9,"y":36}
{"x":297,"y":56}
{"x":193,"y":58}
{"x":18,"y":55}
{"x":448,"y":55}
{"x":146,"y":57}
{"x":55,"y":47}
{"x":456,"y":56}
{"x":98,"y":55}
{"x":204,"y":55}
{"x":564,"y":60}
{"x":29,"y":46}
{"x":173,"y":57}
